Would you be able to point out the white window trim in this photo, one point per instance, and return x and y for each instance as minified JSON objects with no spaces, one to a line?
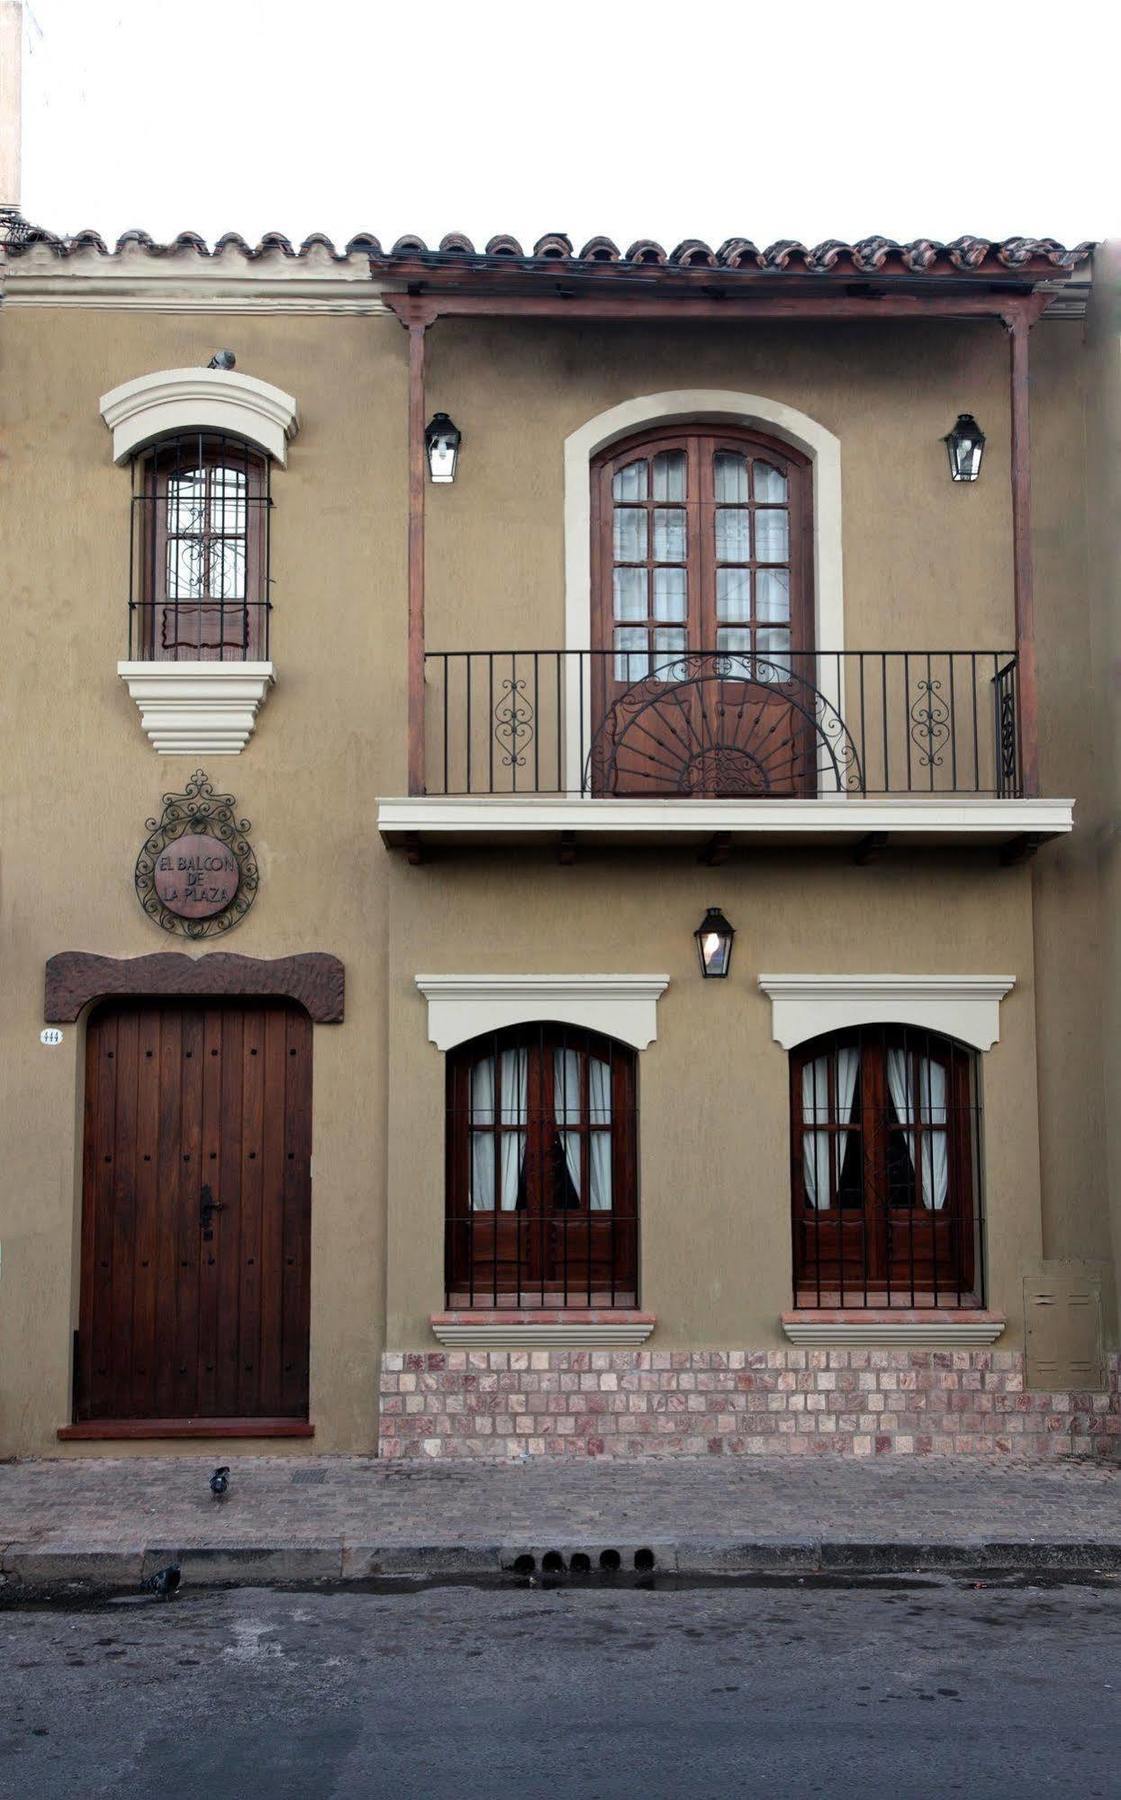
{"x":966,"y":1007}
{"x":720,"y":406}
{"x":174,"y":400}
{"x":461,"y":1007}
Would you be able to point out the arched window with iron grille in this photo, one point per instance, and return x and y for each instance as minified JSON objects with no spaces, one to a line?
{"x":885,"y":1174}
{"x":542,"y":1201}
{"x":199,"y":589}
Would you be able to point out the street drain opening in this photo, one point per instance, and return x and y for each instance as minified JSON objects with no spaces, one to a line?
{"x":644,"y":1561}
{"x":610,"y":1559}
{"x":524,"y":1565}
{"x":581,"y":1564}
{"x":552,"y":1563}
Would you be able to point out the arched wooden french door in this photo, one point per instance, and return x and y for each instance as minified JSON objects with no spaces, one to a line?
{"x":885,"y":1176}
{"x":196,"y":1213}
{"x":704,"y":675}
{"x":542,"y":1183}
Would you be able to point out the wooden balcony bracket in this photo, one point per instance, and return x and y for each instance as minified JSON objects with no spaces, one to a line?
{"x":566,"y":849}
{"x":1020,"y":849}
{"x":716,"y":852}
{"x":870,"y":848}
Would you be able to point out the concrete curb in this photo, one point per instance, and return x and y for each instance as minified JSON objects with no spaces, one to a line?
{"x":27,"y":1569}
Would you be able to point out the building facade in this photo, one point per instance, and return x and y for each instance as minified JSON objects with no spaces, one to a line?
{"x":415,"y":661}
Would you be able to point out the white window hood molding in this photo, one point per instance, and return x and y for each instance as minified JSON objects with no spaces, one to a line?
{"x":960,"y":1006}
{"x":175,"y":400}
{"x":461,"y":1007}
{"x":198,"y":708}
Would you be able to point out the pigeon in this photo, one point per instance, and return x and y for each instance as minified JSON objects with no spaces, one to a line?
{"x":220,"y":1482}
{"x":164,"y":1582}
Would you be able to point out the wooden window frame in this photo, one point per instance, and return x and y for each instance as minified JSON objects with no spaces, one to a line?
{"x":151,"y":605}
{"x":545,"y":1275}
{"x":885,"y":1251}
{"x":701,"y":443}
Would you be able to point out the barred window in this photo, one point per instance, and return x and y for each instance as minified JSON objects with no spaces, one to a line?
{"x":541,"y":1170}
{"x":885,"y":1176}
{"x":200,"y":529}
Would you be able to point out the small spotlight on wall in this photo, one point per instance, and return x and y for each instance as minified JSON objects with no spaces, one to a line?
{"x":442,"y":438}
{"x":714,"y":944}
{"x":222,"y":359}
{"x":965,"y":445}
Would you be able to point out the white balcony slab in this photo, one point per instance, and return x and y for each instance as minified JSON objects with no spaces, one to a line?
{"x":838,"y":819}
{"x":198,"y":708}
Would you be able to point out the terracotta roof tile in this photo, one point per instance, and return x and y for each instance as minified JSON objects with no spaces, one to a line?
{"x":870,"y":256}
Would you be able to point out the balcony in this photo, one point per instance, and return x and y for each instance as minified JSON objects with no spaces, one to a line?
{"x":712,"y":747}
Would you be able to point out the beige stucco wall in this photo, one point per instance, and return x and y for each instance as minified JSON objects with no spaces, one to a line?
{"x":714,"y":1088}
{"x":1069,"y":944}
{"x":925,"y":563}
{"x":80,"y":779}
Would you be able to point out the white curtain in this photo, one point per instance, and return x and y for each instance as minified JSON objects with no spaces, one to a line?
{"x":508,"y":1144}
{"x":935,"y":1174}
{"x":566,"y":1105}
{"x":815,"y":1111}
{"x":599,"y":1143}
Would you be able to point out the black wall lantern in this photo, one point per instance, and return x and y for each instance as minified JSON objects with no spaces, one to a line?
{"x":714,"y":944}
{"x":442,"y":438}
{"x":966,"y":446}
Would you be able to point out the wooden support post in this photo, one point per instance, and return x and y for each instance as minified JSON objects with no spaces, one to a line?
{"x":1019,"y":325}
{"x":566,"y":849}
{"x":417,"y":326}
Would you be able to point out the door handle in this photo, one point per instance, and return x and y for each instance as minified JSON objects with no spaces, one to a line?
{"x":208,"y":1206}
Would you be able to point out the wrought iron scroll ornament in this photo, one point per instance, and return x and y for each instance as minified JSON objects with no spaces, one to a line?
{"x":196,"y":873}
{"x":513,"y":723}
{"x":930,"y":727}
{"x":723,"y":725}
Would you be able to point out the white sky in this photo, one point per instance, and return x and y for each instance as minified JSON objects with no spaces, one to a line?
{"x":638,"y":118}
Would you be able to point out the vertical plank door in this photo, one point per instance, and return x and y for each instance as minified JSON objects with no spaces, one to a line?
{"x":196,"y":1213}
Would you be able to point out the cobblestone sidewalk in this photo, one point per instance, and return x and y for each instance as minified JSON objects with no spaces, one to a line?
{"x":294,"y":1516}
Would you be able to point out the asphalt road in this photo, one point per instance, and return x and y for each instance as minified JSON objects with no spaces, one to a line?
{"x":907,"y":1688}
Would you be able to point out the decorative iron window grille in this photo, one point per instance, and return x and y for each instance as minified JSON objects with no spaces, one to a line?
{"x":542,"y":1197}
{"x":886,"y":1171}
{"x":199,"y":553}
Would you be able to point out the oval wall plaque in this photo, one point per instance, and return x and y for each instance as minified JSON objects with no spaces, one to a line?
{"x":196,"y":876}
{"x":196,"y":872}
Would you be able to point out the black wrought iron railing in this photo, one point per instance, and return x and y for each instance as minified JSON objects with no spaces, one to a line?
{"x":713,"y":724}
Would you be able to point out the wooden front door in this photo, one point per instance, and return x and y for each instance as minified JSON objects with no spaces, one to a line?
{"x":196,"y":1213}
{"x":703,"y":668}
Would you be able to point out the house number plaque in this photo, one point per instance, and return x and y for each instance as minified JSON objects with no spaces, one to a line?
{"x":196,"y":873}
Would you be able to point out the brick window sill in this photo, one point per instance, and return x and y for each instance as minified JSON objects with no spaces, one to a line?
{"x":571,"y":1329}
{"x":936,"y":1327}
